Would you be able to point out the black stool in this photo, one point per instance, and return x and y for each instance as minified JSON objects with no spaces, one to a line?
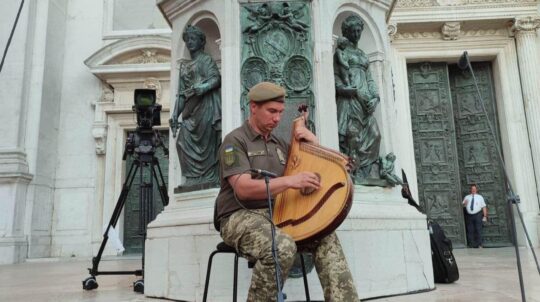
{"x":224,"y":248}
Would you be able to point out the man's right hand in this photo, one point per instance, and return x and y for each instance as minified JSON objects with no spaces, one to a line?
{"x":305,"y":180}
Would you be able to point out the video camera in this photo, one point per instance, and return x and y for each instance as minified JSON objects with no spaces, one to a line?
{"x":148,"y":112}
{"x":144,"y":140}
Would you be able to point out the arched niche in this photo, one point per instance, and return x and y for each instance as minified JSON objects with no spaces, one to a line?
{"x":208,"y":23}
{"x":371,"y":41}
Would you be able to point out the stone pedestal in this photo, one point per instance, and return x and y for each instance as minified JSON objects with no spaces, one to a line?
{"x":385,"y":240}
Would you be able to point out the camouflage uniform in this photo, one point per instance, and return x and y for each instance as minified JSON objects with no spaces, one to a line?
{"x":250,"y":234}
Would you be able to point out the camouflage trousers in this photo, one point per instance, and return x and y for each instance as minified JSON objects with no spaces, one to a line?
{"x":251,"y":235}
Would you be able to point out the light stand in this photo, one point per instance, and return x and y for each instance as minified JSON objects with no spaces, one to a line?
{"x":274,"y":248}
{"x":512,"y":198}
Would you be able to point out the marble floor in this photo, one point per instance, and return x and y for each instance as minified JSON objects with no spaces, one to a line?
{"x":485,"y":275}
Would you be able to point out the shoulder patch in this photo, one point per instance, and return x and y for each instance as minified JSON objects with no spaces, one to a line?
{"x":230,"y":156}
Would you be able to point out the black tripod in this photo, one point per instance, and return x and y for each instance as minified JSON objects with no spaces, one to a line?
{"x":142,"y":145}
{"x":512,"y":198}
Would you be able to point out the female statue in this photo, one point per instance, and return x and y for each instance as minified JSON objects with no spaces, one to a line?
{"x":199,"y":101}
{"x":356,"y":98}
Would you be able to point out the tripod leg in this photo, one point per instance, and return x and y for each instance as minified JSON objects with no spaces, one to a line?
{"x":520,"y":273}
{"x":163,"y":186}
{"x":90,"y":283}
{"x":115,"y":216}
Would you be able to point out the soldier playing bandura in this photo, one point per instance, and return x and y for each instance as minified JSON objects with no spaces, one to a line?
{"x":253,"y":145}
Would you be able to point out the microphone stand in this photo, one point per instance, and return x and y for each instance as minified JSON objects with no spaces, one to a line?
{"x":274,"y":247}
{"x":512,"y":198}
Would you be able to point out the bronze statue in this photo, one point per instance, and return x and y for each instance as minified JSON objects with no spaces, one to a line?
{"x":356,"y":97}
{"x":199,"y":101}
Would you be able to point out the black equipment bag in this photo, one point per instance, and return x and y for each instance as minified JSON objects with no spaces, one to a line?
{"x":445,"y":269}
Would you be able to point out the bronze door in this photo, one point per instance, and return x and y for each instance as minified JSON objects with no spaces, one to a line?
{"x":454,"y":148}
{"x":477,"y":150}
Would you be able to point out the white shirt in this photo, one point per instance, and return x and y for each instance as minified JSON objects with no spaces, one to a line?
{"x":479,"y":203}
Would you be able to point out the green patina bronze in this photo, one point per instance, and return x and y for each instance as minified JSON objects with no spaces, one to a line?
{"x":199,"y":102}
{"x":357,"y":98}
{"x":277,"y":47}
{"x":453,"y":147}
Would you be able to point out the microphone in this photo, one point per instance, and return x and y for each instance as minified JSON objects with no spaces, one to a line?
{"x":264,"y":173}
{"x":464,"y":62}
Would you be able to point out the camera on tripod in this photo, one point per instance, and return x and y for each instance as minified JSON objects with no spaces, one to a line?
{"x":141,"y":144}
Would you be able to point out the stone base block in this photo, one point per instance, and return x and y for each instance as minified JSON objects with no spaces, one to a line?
{"x":385,"y":240}
{"x":13,"y":250}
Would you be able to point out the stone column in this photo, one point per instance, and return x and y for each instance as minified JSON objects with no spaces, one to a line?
{"x":528,"y":60}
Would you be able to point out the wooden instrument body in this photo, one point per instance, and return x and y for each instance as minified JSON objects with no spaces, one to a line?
{"x":308,"y":216}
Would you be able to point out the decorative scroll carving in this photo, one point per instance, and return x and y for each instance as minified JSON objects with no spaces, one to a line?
{"x":392,"y":30}
{"x":526,"y":25}
{"x":451,"y":30}
{"x":107,"y":94}
{"x":143,"y":56}
{"x":99,"y":132}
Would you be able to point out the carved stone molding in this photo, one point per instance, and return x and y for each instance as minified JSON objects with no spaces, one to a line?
{"x":153,"y":83}
{"x":146,"y":56}
{"x":392,"y":30}
{"x":431,"y":3}
{"x":451,"y":30}
{"x":526,"y":25}
{"x":99,"y":132}
{"x":438,"y":35}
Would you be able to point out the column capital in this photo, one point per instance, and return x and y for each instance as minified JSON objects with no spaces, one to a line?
{"x":526,"y":24}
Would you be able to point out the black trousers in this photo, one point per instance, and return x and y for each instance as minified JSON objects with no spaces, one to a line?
{"x":474,"y":229}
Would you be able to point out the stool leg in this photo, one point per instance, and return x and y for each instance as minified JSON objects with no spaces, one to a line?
{"x":208,"y":270}
{"x":306,"y":288}
{"x":235,"y":288}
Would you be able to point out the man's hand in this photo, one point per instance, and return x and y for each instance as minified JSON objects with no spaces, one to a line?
{"x":304,"y":180}
{"x":484,"y":219}
{"x":303,"y":133}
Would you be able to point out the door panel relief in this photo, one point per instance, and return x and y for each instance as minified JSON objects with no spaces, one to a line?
{"x":435,"y":148}
{"x":478,"y":158}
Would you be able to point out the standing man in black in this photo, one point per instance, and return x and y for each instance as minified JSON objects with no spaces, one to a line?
{"x":476,"y":214}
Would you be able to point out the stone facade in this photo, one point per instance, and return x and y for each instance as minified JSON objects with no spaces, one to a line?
{"x":70,"y":75}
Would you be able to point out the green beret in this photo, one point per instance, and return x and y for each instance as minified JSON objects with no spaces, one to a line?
{"x":266,"y":91}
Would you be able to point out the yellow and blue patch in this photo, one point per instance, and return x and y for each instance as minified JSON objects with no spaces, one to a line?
{"x":229,"y":155}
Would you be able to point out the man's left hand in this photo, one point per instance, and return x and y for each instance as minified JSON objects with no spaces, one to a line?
{"x":303,"y":133}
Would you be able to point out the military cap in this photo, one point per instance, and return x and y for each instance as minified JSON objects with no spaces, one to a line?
{"x":266,"y":91}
